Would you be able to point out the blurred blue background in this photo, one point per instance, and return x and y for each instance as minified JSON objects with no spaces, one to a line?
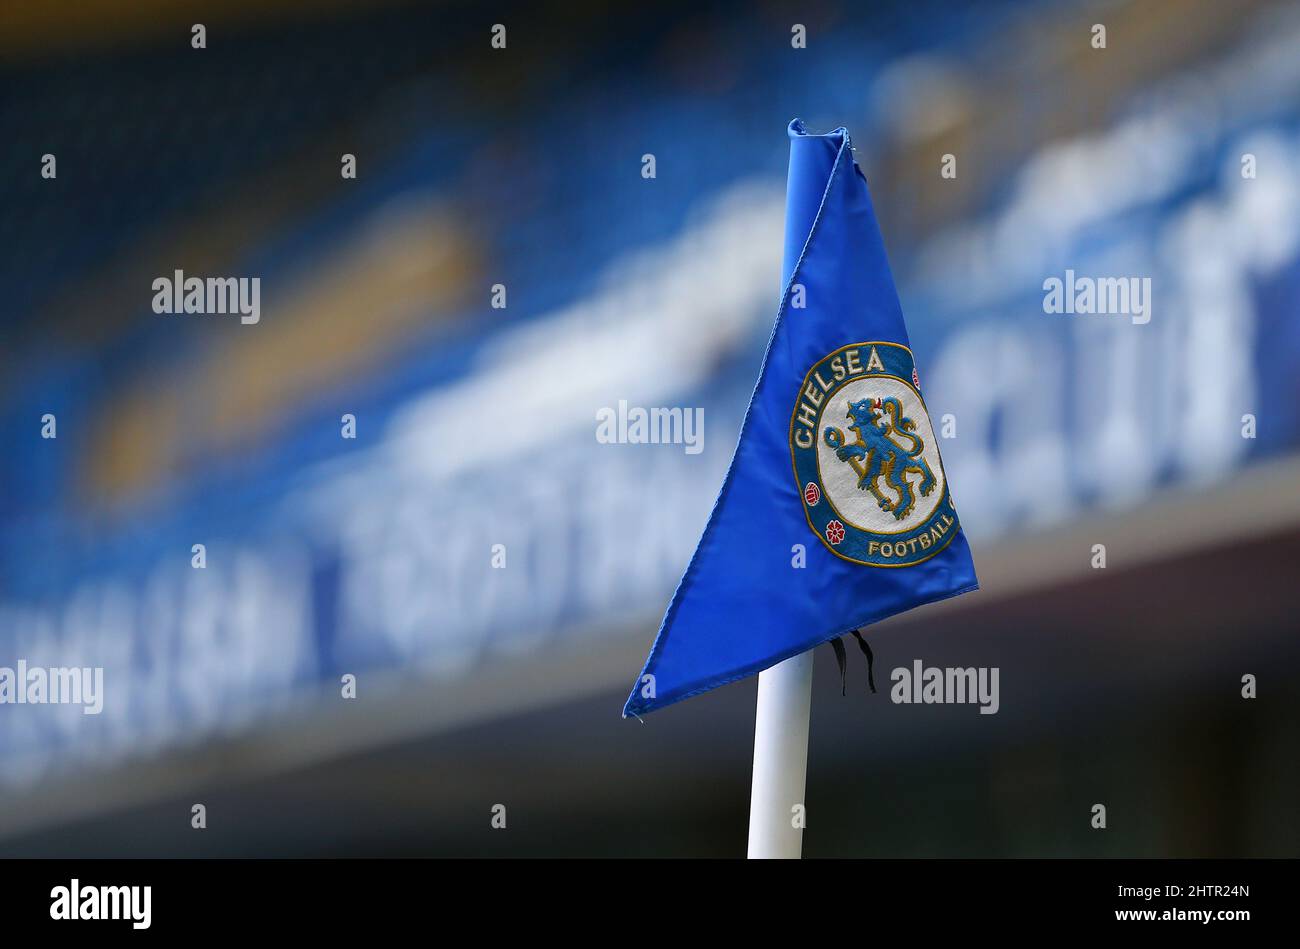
{"x":475,"y":425}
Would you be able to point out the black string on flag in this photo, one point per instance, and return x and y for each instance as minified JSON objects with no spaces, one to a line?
{"x":842,"y":660}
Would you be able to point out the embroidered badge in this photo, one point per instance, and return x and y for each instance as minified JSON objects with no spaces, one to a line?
{"x":861,"y":440}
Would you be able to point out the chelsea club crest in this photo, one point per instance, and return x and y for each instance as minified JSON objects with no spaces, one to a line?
{"x":865,"y":459}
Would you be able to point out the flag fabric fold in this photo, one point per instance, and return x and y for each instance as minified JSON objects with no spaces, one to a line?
{"x":835,"y":512}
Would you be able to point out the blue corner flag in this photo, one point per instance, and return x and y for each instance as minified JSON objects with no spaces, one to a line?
{"x":835,"y":512}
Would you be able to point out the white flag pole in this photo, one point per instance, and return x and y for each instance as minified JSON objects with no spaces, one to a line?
{"x":776,"y":804}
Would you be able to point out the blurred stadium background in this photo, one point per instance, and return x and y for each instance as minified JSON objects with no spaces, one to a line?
{"x":522,"y":167}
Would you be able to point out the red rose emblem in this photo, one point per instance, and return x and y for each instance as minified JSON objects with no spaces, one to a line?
{"x":835,"y":532}
{"x":812,"y":494}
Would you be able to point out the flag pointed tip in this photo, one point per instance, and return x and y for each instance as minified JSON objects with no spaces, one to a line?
{"x":797,"y":129}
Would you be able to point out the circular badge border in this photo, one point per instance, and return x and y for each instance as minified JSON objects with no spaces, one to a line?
{"x":794,"y":467}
